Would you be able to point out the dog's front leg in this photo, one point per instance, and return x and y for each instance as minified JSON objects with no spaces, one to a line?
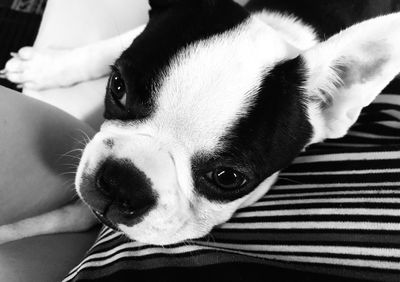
{"x":75,"y":217}
{"x":37,"y":69}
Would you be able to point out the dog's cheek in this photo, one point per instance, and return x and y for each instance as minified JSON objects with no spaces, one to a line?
{"x":162,"y":228}
{"x":213,"y":213}
{"x":195,"y":222}
{"x":171,"y":210}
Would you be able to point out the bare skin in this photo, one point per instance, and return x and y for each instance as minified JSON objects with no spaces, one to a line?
{"x":39,"y":148}
{"x":37,"y":177}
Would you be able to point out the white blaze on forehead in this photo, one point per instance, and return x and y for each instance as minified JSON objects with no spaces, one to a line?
{"x":213,"y":82}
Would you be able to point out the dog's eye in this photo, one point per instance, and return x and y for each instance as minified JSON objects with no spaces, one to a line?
{"x":227,"y":178}
{"x":117,"y":87}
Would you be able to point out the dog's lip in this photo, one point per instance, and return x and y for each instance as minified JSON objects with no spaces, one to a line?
{"x":105,"y":220}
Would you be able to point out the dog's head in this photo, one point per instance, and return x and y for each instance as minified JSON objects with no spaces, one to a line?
{"x":207,"y":105}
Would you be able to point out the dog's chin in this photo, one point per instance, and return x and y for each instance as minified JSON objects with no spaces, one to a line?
{"x":149,"y":235}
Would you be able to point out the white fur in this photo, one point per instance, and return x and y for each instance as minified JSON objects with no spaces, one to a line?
{"x":48,"y":68}
{"x":290,"y":28}
{"x":351,"y":68}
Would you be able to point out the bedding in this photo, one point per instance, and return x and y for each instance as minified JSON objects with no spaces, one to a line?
{"x":334,"y":211}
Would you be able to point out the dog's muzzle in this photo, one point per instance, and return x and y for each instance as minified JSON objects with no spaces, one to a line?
{"x":118,"y":193}
{"x":127,"y":187}
{"x":121,"y":182}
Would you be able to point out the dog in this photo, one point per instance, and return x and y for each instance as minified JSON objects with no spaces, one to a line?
{"x":208,"y":103}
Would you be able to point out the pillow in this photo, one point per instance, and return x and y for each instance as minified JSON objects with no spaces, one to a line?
{"x":335,"y":211}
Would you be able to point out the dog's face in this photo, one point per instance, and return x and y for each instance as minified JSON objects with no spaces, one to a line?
{"x":202,"y":111}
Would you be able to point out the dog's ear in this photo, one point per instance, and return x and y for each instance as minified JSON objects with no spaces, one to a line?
{"x":346,"y":72}
{"x":161,"y":4}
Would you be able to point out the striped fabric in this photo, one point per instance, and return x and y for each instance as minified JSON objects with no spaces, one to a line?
{"x":335,"y":210}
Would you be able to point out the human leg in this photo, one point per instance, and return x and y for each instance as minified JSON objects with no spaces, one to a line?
{"x":35,"y":178}
{"x":39,"y":147}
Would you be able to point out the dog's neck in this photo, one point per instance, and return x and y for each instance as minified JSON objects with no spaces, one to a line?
{"x":292,"y":29}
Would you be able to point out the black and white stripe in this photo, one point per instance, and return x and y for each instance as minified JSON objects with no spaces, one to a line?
{"x":335,"y":210}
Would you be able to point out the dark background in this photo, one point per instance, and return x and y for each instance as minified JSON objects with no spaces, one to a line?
{"x":19,"y":24}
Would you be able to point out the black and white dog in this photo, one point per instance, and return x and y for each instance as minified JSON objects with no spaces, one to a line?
{"x":210,"y":102}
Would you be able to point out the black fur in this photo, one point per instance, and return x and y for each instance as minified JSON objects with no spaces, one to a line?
{"x":160,"y":4}
{"x":128,"y":190}
{"x":328,"y":17}
{"x":109,"y":193}
{"x":170,"y":29}
{"x":272,"y":134}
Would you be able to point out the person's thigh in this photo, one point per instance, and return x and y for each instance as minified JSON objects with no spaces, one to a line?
{"x":43,"y":258}
{"x":38,"y":156}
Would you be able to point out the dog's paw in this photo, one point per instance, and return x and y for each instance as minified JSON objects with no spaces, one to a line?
{"x":38,"y":69}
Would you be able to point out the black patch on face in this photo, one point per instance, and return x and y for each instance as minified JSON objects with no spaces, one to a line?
{"x":126,"y":185}
{"x":267,"y":140}
{"x":170,"y":29}
{"x":119,"y":192}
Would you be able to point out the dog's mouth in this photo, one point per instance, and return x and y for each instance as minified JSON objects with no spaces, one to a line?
{"x":105,"y":220}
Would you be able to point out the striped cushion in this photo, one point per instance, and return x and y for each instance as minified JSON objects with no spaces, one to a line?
{"x":335,"y":210}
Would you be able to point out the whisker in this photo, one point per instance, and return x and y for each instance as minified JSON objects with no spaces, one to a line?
{"x":69,"y":184}
{"x":83,"y":143}
{"x":290,"y":180}
{"x":210,"y":238}
{"x":67,"y":173}
{"x":67,"y":154}
{"x":85,"y":136}
{"x":72,"y":157}
{"x":71,"y":166}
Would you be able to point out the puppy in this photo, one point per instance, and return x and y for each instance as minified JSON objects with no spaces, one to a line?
{"x":209,"y":103}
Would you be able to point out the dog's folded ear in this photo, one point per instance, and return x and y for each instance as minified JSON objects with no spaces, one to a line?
{"x":161,"y":4}
{"x":346,"y":72}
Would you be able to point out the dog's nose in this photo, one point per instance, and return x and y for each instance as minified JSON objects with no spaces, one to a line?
{"x":127,"y":186}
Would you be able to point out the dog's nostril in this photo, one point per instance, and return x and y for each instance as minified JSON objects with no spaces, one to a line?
{"x":126,"y":205}
{"x":127,"y":186}
{"x":105,"y":181}
{"x":103,"y":186}
{"x":127,"y":208}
